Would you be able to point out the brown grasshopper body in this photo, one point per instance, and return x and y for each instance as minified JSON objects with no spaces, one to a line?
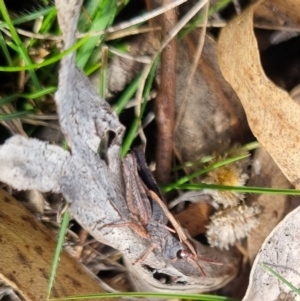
{"x":146,"y":204}
{"x":148,"y":213}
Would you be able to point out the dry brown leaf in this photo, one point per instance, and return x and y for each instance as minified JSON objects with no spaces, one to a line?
{"x":295,"y":93}
{"x":195,"y":218}
{"x":27,"y":251}
{"x":265,"y":173}
{"x":213,"y":116}
{"x":272,"y":115}
{"x":280,"y":252}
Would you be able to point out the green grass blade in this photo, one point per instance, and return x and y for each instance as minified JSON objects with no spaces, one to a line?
{"x":48,"y":21}
{"x":122,"y":5}
{"x":59,"y":246}
{"x":247,"y":147}
{"x":202,"y":160}
{"x":47,"y":62}
{"x":8,"y":99}
{"x":13,"y":46}
{"x":198,"y":173}
{"x":29,"y":17}
{"x":135,"y":125}
{"x":127,"y":95}
{"x":5,"y":50}
{"x":104,"y":17}
{"x":293,"y":288}
{"x":90,"y":9}
{"x":39,"y":93}
{"x":22,"y":50}
{"x":6,"y":117}
{"x":199,"y":297}
{"x":200,"y":18}
{"x":103,"y":72}
{"x":33,"y":95}
{"x":243,"y":189}
{"x":91,"y":69}
{"x":130,"y":136}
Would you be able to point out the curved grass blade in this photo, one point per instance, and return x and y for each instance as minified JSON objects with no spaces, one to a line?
{"x":33,"y":95}
{"x":29,"y":17}
{"x":21,"y":49}
{"x":48,"y":20}
{"x":103,"y":72}
{"x":200,"y":297}
{"x":5,"y":50}
{"x":62,"y":233}
{"x":198,"y":173}
{"x":103,"y":18}
{"x":219,"y":5}
{"x":135,"y":125}
{"x":6,"y":117}
{"x":47,"y":62}
{"x":293,"y":288}
{"x":244,"y":189}
{"x":247,"y":147}
{"x":127,"y":95}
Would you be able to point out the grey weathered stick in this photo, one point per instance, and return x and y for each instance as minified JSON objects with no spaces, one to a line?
{"x":94,"y":187}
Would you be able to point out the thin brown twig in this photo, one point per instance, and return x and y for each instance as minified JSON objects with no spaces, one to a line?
{"x":137,"y":58}
{"x":43,"y":117}
{"x":170,"y":35}
{"x":121,"y":26}
{"x":185,"y":19}
{"x":237,"y":7}
{"x":194,"y":67}
{"x":165,"y":100}
{"x":41,"y":123}
{"x":121,"y":33}
{"x":110,"y":36}
{"x":83,"y":235}
{"x":130,"y":31}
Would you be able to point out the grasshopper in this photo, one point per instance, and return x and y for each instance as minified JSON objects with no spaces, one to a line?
{"x":146,"y":204}
{"x":150,"y":214}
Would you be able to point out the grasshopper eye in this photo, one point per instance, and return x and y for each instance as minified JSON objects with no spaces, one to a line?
{"x":183,"y":254}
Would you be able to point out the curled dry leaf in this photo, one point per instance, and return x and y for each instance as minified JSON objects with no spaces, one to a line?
{"x":265,"y":173}
{"x":272,"y":114}
{"x":27,"y":250}
{"x":95,"y":187}
{"x":195,"y":218}
{"x":212,"y":113}
{"x":280,"y":252}
{"x":295,"y":93}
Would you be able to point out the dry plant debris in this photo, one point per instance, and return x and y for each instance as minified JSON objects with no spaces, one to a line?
{"x":232,"y":174}
{"x":280,"y":252}
{"x":273,"y":117}
{"x":27,"y":250}
{"x":95,"y":187}
{"x":212,"y":116}
{"x":265,"y":173}
{"x":272,"y":114}
{"x":231,"y":225}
